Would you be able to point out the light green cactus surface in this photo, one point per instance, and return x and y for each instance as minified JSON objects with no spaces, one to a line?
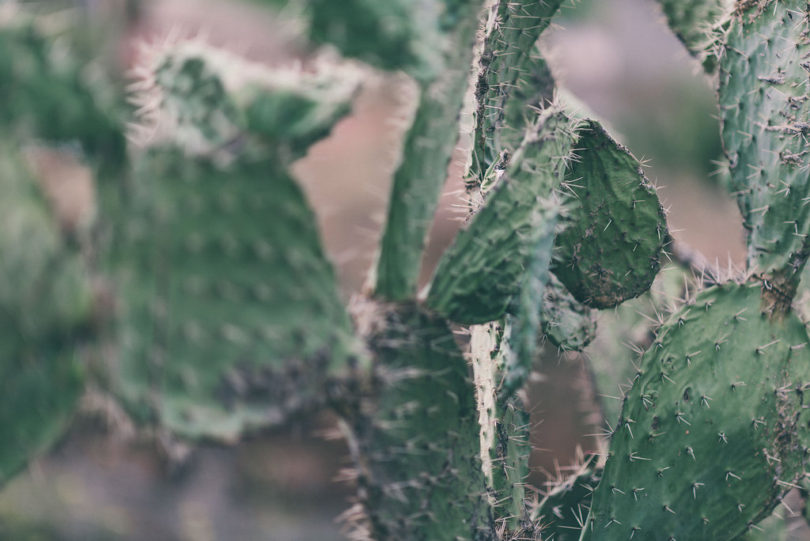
{"x":714,"y":431}
{"x":45,"y":309}
{"x":231,"y":318}
{"x":764,"y":110}
{"x":695,"y":22}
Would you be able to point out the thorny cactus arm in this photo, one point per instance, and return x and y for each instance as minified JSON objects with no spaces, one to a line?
{"x":513,"y":80}
{"x":486,"y":266}
{"x":694,"y":22}
{"x":765,"y":115}
{"x":714,"y":431}
{"x":428,"y":149}
{"x":45,"y":307}
{"x":230,"y":317}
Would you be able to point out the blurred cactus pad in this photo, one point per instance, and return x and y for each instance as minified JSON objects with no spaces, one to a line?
{"x":198,"y":300}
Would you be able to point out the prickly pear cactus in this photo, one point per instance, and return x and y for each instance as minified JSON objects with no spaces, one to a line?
{"x":764,"y":111}
{"x":480,"y":274}
{"x":714,"y":431}
{"x":613,"y":242}
{"x":230,"y":317}
{"x":415,"y":434}
{"x":45,"y":308}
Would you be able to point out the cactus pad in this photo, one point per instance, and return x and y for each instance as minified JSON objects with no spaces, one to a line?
{"x":714,"y":431}
{"x":611,"y":247}
{"x":765,"y":115}
{"x":231,"y":318}
{"x":487,"y":264}
{"x":513,"y":78}
{"x":567,"y":323}
{"x":563,"y":510}
{"x":47,"y":94}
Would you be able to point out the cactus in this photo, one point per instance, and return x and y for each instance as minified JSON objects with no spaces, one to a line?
{"x":764,"y":112}
{"x":228,"y":318}
{"x":197,"y":355}
{"x":711,"y":435}
{"x":45,"y":310}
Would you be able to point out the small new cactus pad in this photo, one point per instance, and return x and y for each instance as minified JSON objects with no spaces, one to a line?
{"x":47,"y":94}
{"x":765,"y":115}
{"x":513,"y":78}
{"x":428,"y":148}
{"x":714,"y":431}
{"x":611,"y":246}
{"x":208,"y":99}
{"x":45,"y":304}
{"x":694,"y":22}
{"x":487,"y":264}
{"x":415,"y":436}
{"x":563,"y":510}
{"x":566,"y":322}
{"x":231,"y":318}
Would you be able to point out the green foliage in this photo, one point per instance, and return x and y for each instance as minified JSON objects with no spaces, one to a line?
{"x":714,"y":431}
{"x":230,"y":319}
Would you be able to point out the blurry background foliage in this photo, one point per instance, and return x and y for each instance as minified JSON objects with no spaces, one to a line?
{"x":618,"y":57}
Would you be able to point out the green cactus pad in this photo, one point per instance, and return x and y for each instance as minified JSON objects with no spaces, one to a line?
{"x":416,"y":437}
{"x":486,"y":266}
{"x":611,"y":247}
{"x":45,"y":307}
{"x":47,"y":94}
{"x":513,"y":78}
{"x":765,"y":115}
{"x":230,"y":319}
{"x":428,"y":148}
{"x":567,"y":323}
{"x":714,"y":431}
{"x":694,"y":22}
{"x":564,"y":509}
